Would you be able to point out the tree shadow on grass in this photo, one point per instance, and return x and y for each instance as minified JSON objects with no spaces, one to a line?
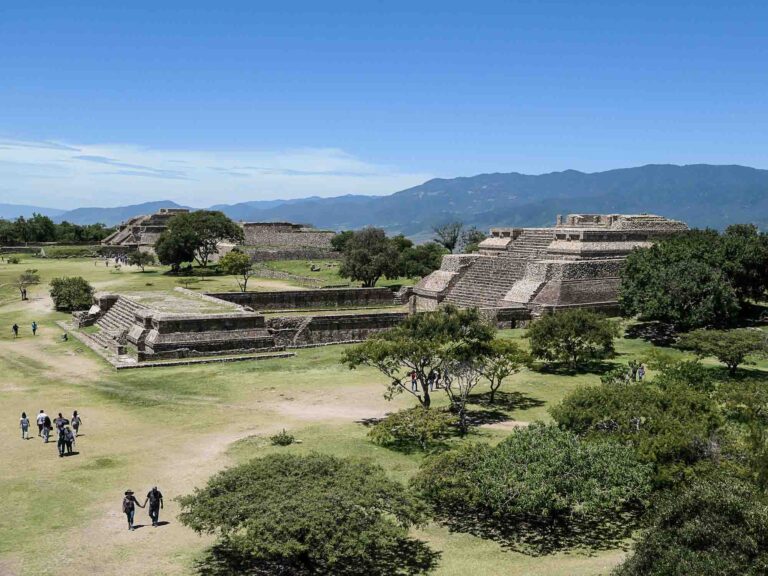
{"x":657,"y":333}
{"x":539,"y":538}
{"x":560,"y":369}
{"x":508,"y":401}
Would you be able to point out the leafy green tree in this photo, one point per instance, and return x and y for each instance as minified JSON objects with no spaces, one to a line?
{"x":504,"y":359}
{"x":239,"y":265}
{"x":419,"y":344}
{"x":731,"y":347}
{"x":413,"y":426}
{"x":572,"y":337}
{"x":141,"y":259}
{"x":540,"y":473}
{"x":712,"y":527}
{"x":339,"y":241}
{"x":667,"y":422}
{"x":745,"y":260}
{"x":448,"y":234}
{"x":40,"y":229}
{"x":308,"y":515}
{"x":175,"y":249}
{"x":25,"y":280}
{"x":203,"y":230}
{"x":369,"y":255}
{"x":421,"y":260}
{"x":71,"y":293}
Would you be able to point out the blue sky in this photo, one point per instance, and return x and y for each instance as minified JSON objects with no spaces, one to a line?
{"x":107,"y":103}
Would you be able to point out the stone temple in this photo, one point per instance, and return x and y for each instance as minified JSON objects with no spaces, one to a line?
{"x":520,"y":273}
{"x":141,"y":232}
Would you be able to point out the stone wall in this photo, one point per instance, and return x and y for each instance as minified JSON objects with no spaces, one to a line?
{"x":286,"y":235}
{"x":301,"y":331}
{"x":320,"y":298}
{"x":267,"y":254}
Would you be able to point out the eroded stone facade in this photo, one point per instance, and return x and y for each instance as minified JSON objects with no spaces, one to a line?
{"x":576,"y":263}
{"x":141,"y":232}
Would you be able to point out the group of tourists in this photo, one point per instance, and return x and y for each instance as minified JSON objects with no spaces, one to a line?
{"x":120,"y":260}
{"x":433,"y":380}
{"x":15,"y":329}
{"x":155,"y":500}
{"x":67,"y":430}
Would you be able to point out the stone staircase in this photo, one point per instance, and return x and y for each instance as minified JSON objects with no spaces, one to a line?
{"x":115,"y":322}
{"x":489,"y":278}
{"x":532,"y":243}
{"x":486,"y":282}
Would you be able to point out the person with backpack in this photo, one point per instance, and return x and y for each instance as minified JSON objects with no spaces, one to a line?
{"x":129,"y":507}
{"x":24,"y":425}
{"x":34,"y":328}
{"x":15,"y":330}
{"x":76,"y":422}
{"x":155,"y":499}
{"x":60,"y":423}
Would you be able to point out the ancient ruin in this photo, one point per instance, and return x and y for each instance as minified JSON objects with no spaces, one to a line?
{"x":263,"y":240}
{"x":286,"y":241}
{"x":141,"y":232}
{"x":520,"y":273}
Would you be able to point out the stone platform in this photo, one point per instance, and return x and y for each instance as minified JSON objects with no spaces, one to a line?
{"x":520,"y":273}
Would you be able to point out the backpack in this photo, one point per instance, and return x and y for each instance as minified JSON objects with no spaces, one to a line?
{"x":127,"y":504}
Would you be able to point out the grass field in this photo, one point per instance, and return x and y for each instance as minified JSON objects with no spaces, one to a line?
{"x":174,"y":427}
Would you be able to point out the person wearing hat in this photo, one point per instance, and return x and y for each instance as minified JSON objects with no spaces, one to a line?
{"x":129,"y":507}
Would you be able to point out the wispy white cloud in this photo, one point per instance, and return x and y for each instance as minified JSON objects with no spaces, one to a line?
{"x":69,"y":175}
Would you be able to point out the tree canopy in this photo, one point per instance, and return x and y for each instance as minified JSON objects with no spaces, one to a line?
{"x":667,"y":422}
{"x":696,"y":279}
{"x":41,"y":228}
{"x":572,"y":337}
{"x":421,"y":344}
{"x":141,"y":259}
{"x":369,"y":255}
{"x":196,"y":235}
{"x":713,"y":527}
{"x":308,"y":515}
{"x":539,"y":472}
{"x":448,"y":235}
{"x":239,"y":265}
{"x":71,"y":293}
{"x":731,"y":347}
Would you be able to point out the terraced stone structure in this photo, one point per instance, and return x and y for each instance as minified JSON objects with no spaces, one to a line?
{"x":141,"y":232}
{"x":163,"y":325}
{"x":287,"y":241}
{"x":520,"y":273}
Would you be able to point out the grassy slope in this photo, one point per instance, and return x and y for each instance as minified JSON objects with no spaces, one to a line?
{"x":176,"y":426}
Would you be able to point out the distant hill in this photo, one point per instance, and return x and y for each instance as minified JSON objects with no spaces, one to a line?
{"x":700,"y":194}
{"x":13,"y":211}
{"x":113,"y":216}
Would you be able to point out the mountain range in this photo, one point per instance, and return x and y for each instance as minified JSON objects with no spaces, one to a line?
{"x":701,"y":194}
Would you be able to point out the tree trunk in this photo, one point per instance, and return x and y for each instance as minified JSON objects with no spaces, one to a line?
{"x":492,"y":397}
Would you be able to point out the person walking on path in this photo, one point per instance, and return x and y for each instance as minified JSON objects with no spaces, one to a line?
{"x":641,"y":372}
{"x":414,"y":385}
{"x":76,"y":422}
{"x":61,"y":443}
{"x":47,"y":427}
{"x":129,"y":507}
{"x":41,"y":422}
{"x":24,"y":425}
{"x":15,"y":329}
{"x":69,"y":439}
{"x":34,"y":328}
{"x":60,"y":423}
{"x":155,"y":499}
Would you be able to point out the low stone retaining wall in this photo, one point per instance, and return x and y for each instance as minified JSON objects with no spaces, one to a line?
{"x":304,"y":331}
{"x":264,"y":254}
{"x":302,"y":299}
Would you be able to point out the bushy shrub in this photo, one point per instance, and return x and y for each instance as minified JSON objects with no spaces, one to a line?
{"x":540,"y":472}
{"x":282,"y":438}
{"x":72,"y":293}
{"x":13,"y":260}
{"x":572,"y":337}
{"x":414,"y":426}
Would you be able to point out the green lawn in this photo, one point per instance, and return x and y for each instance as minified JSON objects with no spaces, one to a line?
{"x":177,"y":426}
{"x":328,"y":273}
